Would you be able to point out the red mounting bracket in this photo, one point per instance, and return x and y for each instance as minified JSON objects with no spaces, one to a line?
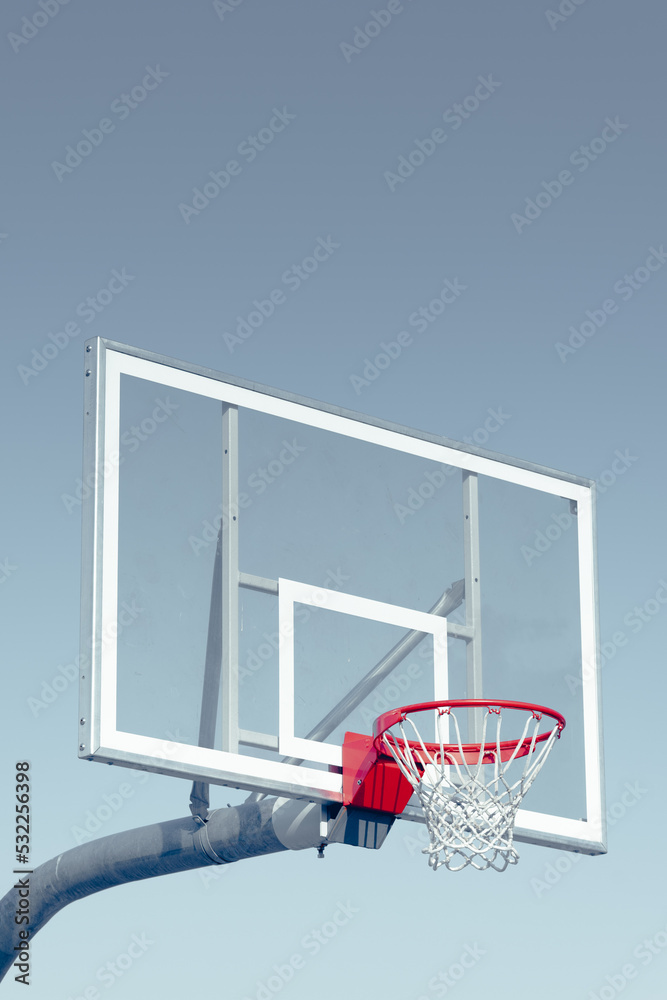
{"x":370,"y":779}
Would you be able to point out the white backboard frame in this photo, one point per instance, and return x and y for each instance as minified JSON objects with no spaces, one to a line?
{"x":99,"y":738}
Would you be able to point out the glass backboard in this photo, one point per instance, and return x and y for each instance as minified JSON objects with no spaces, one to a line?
{"x":262,"y":573}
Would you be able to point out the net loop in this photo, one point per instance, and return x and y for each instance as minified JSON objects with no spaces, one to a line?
{"x":469,"y":799}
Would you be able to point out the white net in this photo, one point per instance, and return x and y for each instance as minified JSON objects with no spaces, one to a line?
{"x":470,"y":805}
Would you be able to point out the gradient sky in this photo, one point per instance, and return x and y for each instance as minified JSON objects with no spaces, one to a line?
{"x":541,"y":202}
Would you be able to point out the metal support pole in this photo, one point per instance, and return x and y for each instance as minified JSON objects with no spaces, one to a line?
{"x":472,"y":598}
{"x":199,"y":797}
{"x":238,"y":833}
{"x":245,"y":831}
{"x":230,"y":580}
{"x":222,"y":641}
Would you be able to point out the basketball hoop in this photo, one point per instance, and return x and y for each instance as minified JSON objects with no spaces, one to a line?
{"x":469,"y":799}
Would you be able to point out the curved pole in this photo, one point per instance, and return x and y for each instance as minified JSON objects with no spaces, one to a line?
{"x":231,"y":834}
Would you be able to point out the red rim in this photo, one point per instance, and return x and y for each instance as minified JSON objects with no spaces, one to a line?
{"x":471,"y":751}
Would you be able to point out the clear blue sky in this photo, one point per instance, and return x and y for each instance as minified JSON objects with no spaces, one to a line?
{"x":515,"y":153}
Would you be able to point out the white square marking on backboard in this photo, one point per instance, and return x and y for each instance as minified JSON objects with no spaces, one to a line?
{"x":290,"y":593}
